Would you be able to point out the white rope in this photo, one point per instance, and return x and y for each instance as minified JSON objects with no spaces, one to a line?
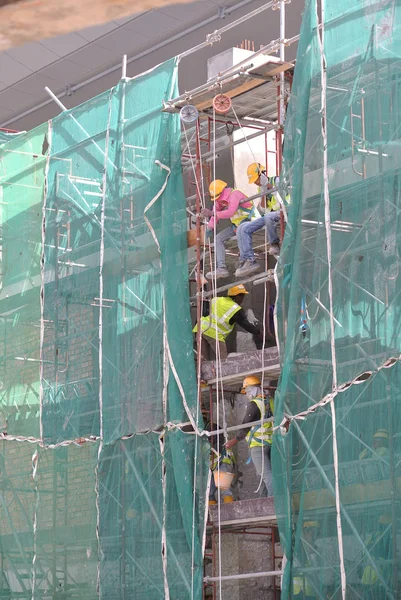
{"x":101,"y":287}
{"x":151,"y":203}
{"x":163,"y":523}
{"x":201,"y":195}
{"x":42,"y":277}
{"x":218,"y":362}
{"x":327,"y":219}
{"x":244,"y":134}
{"x":263,"y":362}
{"x":166,"y":373}
{"x":35,"y":460}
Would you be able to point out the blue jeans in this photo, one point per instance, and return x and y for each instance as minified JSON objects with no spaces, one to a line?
{"x":221,"y":237}
{"x":245,"y":231}
{"x":261,"y":460}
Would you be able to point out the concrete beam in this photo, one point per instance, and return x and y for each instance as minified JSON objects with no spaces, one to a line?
{"x":237,"y":366}
{"x":29,"y":20}
{"x":244,"y":512}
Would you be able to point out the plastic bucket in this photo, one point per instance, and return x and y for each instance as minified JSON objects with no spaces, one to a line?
{"x":191,"y":236}
{"x":223,"y":480}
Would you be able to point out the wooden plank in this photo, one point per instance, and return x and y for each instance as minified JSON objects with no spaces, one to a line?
{"x":239,"y":84}
{"x":28,"y":20}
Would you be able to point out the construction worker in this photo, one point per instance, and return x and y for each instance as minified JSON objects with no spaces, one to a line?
{"x":229,"y":204}
{"x":221,"y":460}
{"x":260,"y":436}
{"x":225,"y":313}
{"x":257,"y":175}
{"x":379,"y":546}
{"x":379,"y":445}
{"x":302,"y":583}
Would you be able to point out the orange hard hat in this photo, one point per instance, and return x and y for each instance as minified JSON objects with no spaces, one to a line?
{"x":250,"y":380}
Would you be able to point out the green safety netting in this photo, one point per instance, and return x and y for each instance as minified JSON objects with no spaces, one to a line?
{"x":101,"y":494}
{"x":337,"y":452}
{"x":7,"y":136}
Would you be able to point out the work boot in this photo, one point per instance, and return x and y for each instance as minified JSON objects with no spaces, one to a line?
{"x":219,"y":273}
{"x":228,"y":499}
{"x":247,"y":268}
{"x":274,"y":250}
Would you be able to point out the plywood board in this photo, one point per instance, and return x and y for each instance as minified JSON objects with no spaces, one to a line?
{"x":25,"y":21}
{"x":238,"y":85}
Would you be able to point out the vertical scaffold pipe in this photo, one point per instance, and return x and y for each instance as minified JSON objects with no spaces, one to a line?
{"x":198,"y":174}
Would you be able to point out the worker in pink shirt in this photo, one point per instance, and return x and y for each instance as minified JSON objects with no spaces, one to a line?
{"x":229,"y":204}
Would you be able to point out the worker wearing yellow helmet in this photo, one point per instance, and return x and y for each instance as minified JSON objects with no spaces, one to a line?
{"x":225,"y":313}
{"x":376,"y":568}
{"x":308,"y":581}
{"x":259,"y":436}
{"x":228,"y":204}
{"x":257,"y":175}
{"x":379,"y":446}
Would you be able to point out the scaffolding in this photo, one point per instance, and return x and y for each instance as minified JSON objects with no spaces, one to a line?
{"x":104,"y":458}
{"x":259,"y":88}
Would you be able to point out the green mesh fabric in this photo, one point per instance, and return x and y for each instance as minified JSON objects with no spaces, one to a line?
{"x":6,"y":136}
{"x":22,"y":166}
{"x":338,"y":503}
{"x":102,"y":495}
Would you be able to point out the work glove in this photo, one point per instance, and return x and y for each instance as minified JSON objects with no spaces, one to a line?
{"x":258,"y":340}
{"x":206,"y":212}
{"x":209,"y":233}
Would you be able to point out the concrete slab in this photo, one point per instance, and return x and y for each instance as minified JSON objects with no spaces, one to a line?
{"x":234,"y":368}
{"x":244,"y":512}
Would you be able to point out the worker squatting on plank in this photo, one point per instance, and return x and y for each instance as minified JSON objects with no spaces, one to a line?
{"x":225,"y":313}
{"x":260,"y":436}
{"x":245,"y":221}
{"x":229,"y":204}
{"x":221,"y":460}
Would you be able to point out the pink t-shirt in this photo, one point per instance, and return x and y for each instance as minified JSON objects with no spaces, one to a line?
{"x":227,"y":205}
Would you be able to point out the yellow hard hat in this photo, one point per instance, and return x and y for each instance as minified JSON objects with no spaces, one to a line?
{"x":381,"y":433}
{"x":308,"y":524}
{"x":254,"y":171}
{"x":237,"y":289}
{"x":216,"y":187}
{"x":250,"y":380}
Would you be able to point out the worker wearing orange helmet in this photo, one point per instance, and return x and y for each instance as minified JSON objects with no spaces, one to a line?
{"x":257,"y":174}
{"x":228,"y":204}
{"x":225,"y":313}
{"x":259,"y":436}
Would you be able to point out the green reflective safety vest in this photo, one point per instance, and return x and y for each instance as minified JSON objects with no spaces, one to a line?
{"x":367,"y":453}
{"x":217,"y":324}
{"x":226,"y":457}
{"x":378,"y":544}
{"x":272,"y":203}
{"x":301,"y":584}
{"x":260,"y":435}
{"x":243,"y":212}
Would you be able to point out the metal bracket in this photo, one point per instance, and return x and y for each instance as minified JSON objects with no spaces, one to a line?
{"x":222,"y":12}
{"x":69,"y":90}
